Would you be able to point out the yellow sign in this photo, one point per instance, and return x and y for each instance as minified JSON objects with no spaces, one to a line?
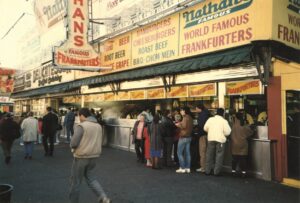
{"x":123,"y":96}
{"x":286,"y":26}
{"x":116,"y":53}
{"x":137,"y":95}
{"x":69,"y":100}
{"x":244,"y":87}
{"x":156,"y":93}
{"x":88,"y":98}
{"x":109,"y":97}
{"x":205,"y":90}
{"x":214,"y":25}
{"x":178,"y":91}
{"x":155,"y":43}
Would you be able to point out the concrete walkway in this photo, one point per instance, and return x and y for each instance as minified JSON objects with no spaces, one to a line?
{"x":46,"y":179}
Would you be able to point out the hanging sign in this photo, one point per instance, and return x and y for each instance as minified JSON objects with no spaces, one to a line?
{"x":76,"y":52}
{"x":123,"y":96}
{"x":205,"y":90}
{"x":178,"y":91}
{"x":244,"y":87}
{"x":158,"y":93}
{"x":137,"y":95}
{"x":109,"y":97}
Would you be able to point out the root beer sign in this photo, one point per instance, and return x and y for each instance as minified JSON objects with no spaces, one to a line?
{"x":76,"y":52}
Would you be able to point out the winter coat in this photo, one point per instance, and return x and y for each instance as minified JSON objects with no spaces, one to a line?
{"x":167,"y":127}
{"x":239,"y":138}
{"x":30,"y":129}
{"x":50,"y":124}
{"x":155,"y":131}
{"x":9,"y":129}
{"x":69,"y":119}
{"x":201,"y":120}
{"x":186,"y":126}
{"x":217,"y":129}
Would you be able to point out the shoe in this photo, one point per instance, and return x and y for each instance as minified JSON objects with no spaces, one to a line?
{"x":243,"y":174}
{"x":200,"y":170}
{"x":105,"y":200}
{"x":22,"y":144}
{"x":180,"y":170}
{"x":187,"y":170}
{"x":25,"y":157}
{"x":30,"y":157}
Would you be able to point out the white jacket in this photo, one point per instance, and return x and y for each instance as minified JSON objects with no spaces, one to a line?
{"x":217,"y":128}
{"x":30,"y":129}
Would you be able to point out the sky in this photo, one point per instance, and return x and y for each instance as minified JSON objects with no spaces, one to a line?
{"x":10,"y":11}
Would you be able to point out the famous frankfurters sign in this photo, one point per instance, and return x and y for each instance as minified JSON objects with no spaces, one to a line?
{"x":76,"y":52}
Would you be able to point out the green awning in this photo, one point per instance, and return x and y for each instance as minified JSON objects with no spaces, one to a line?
{"x":215,"y":60}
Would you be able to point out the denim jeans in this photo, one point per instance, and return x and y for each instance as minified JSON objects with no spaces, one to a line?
{"x":82,"y":168}
{"x":70,"y":131}
{"x":28,"y":148}
{"x":184,"y":146}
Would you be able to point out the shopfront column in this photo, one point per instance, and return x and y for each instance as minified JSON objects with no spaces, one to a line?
{"x":275,"y":127}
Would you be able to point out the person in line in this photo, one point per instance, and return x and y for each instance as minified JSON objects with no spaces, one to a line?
{"x":186,"y":128}
{"x":9,"y":131}
{"x":168,"y":132}
{"x":239,"y":143}
{"x":30,"y":132}
{"x":86,"y":146}
{"x":201,"y":120}
{"x":138,"y":138}
{"x":59,"y":127}
{"x":69,"y":124}
{"x":40,"y":134}
{"x":155,"y":130}
{"x":146,"y":137}
{"x":218,"y":129}
{"x":177,"y":118}
{"x":49,"y":128}
{"x":23,"y":116}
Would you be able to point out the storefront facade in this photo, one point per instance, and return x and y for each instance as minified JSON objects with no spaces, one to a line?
{"x":222,"y":53}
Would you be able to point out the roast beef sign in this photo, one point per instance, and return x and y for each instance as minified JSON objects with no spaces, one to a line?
{"x":76,"y":53}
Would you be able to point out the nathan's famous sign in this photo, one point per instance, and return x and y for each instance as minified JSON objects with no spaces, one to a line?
{"x":76,"y":52}
{"x":212,"y":11}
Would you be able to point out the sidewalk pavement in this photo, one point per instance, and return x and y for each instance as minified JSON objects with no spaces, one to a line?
{"x":46,"y":180}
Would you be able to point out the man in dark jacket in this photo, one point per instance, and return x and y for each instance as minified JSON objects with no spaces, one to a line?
{"x":69,"y":123}
{"x":168,"y":134}
{"x":9,"y":131}
{"x":203,"y":116}
{"x":49,"y":128}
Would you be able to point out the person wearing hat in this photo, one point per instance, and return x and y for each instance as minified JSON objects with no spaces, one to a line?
{"x":9,"y":131}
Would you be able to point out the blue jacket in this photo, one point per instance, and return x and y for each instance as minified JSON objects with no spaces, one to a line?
{"x":202,"y":118}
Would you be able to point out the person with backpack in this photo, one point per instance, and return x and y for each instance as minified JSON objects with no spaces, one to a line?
{"x":9,"y":131}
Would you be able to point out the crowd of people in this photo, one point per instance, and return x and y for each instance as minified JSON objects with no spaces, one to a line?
{"x":165,"y":140}
{"x":86,"y":143}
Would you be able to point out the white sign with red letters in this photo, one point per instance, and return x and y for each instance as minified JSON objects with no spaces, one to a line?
{"x":76,"y":52}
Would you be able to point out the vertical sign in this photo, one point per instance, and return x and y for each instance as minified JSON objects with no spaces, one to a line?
{"x":76,"y":52}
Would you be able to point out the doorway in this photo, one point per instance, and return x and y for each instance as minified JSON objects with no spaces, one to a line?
{"x":293,"y":133}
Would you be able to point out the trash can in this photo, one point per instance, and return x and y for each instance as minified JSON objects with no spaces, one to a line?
{"x":5,"y":193}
